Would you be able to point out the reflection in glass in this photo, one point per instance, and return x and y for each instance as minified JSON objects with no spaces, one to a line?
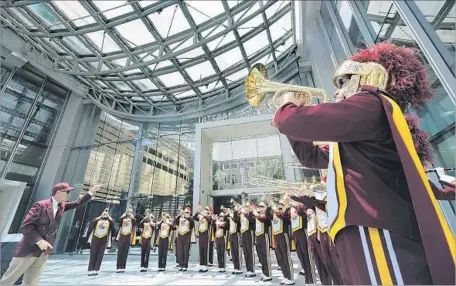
{"x":239,"y":163}
{"x":445,"y":149}
{"x":441,"y":15}
{"x":349,"y":23}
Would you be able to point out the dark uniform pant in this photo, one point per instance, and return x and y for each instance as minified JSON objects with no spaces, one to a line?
{"x":325,"y":244}
{"x":247,"y":248}
{"x":203,"y":247}
{"x":302,"y":249}
{"x":235,"y":253}
{"x":183,"y":249}
{"x":123,"y":247}
{"x":283,"y":254}
{"x":97,"y":249}
{"x":315,"y":248}
{"x":163,"y":244}
{"x":145,"y":251}
{"x":380,"y":257}
{"x":264,"y":254}
{"x":220,"y":243}
{"x":211,"y":252}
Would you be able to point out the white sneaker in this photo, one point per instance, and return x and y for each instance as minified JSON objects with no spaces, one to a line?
{"x":287,"y":282}
{"x":119,"y":270}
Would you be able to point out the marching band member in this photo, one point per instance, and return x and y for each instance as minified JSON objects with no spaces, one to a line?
{"x":247,"y":226}
{"x":125,"y":237}
{"x":263,"y":241}
{"x":184,"y":225}
{"x":325,"y":240}
{"x":148,"y":226}
{"x":99,"y":239}
{"x":164,"y":229}
{"x":280,"y":226}
{"x":298,"y":218}
{"x":222,"y":226}
{"x":381,"y":204}
{"x":204,"y":231}
{"x":234,"y":240}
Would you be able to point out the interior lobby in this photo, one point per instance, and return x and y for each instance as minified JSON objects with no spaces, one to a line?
{"x":148,"y":99}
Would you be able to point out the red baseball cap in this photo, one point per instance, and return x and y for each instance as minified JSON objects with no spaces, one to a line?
{"x":62,"y":187}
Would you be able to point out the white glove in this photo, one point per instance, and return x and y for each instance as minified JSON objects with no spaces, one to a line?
{"x":43,"y":244}
{"x":95,"y":188}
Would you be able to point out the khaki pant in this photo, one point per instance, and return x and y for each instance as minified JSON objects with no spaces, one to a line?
{"x":31,"y":267}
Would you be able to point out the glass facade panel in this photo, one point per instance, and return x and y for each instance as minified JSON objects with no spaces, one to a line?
{"x":441,"y":15}
{"x":349,"y":23}
{"x":438,"y":114}
{"x":15,"y":105}
{"x":444,"y":148}
{"x":242,"y":163}
{"x":332,"y":34}
{"x":26,"y":97}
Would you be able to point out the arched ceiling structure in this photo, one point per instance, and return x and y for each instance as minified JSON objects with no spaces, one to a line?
{"x":151,"y":60}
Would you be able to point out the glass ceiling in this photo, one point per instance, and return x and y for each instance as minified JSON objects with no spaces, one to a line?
{"x":147,"y":53}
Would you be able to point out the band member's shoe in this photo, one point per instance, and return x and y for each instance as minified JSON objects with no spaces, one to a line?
{"x":90,"y":273}
{"x":210,"y":264}
{"x":286,"y":282}
{"x":120,"y":271}
{"x":265,"y":279}
{"x":250,"y":274}
{"x":161,"y":269}
{"x":185,"y":269}
{"x":222,"y":270}
{"x":180,"y":269}
{"x":95,"y":273}
{"x":143,"y":269}
{"x":235,"y":272}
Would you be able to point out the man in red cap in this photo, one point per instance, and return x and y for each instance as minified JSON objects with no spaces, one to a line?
{"x":39,"y":230}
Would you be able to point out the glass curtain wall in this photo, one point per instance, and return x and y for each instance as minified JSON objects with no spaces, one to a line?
{"x":385,"y":23}
{"x":30,"y":110}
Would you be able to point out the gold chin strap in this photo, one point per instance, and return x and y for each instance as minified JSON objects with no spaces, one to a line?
{"x":369,"y":73}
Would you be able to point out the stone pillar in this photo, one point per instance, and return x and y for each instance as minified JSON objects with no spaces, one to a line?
{"x":68,"y":159}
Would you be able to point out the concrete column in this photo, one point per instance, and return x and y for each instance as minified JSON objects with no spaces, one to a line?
{"x":60,"y":149}
{"x":68,"y":161}
{"x":137,"y":164}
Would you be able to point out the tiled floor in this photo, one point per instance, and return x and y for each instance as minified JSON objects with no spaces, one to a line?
{"x":67,"y":269}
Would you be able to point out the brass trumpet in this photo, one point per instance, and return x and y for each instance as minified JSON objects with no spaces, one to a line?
{"x":258,"y":86}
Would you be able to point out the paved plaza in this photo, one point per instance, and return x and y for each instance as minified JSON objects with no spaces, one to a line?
{"x":64,"y":269}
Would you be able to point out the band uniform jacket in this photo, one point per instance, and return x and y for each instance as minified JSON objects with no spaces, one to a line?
{"x":40,"y":223}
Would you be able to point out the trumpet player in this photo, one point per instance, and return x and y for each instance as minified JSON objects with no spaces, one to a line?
{"x":318,"y":201}
{"x":247,"y":226}
{"x":263,"y":241}
{"x":280,"y":227}
{"x":234,"y":239}
{"x":125,"y":237}
{"x":368,"y":119}
{"x":99,"y":239}
{"x":221,"y":226}
{"x":164,"y":229}
{"x":204,"y":231}
{"x":146,"y":241}
{"x":184,"y":225}
{"x":298,"y":219}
